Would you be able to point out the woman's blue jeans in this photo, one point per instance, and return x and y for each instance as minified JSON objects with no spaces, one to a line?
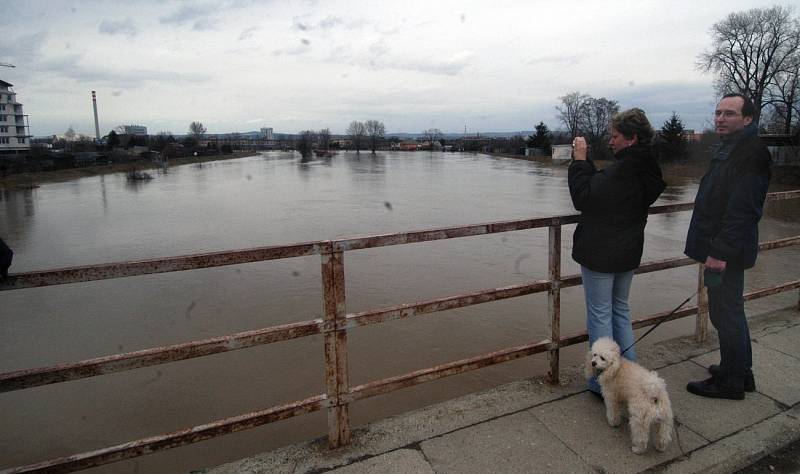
{"x":607,"y":311}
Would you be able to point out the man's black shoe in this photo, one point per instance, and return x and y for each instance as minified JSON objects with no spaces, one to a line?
{"x":712,"y":388}
{"x":749,"y":380}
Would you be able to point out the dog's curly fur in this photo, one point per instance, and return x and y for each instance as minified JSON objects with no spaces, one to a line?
{"x":629,"y":385}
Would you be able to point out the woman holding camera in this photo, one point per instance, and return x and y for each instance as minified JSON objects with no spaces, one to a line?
{"x":609,"y":238}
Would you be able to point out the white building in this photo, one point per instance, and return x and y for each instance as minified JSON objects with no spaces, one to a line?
{"x":267,"y":132}
{"x":135,"y":129}
{"x":14,"y":130}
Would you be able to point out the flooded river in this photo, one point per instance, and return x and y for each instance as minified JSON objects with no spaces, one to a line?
{"x":272,"y":199}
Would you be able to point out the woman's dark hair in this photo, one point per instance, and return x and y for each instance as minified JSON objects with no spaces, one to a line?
{"x":748,"y":109}
{"x":633,"y":122}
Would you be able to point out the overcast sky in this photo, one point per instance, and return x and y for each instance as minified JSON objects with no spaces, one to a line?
{"x":241,"y":65}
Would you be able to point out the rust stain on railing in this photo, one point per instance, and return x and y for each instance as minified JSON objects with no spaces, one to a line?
{"x":390,"y":384}
{"x":334,"y":326}
{"x":176,"y":439}
{"x":365,"y":318}
{"x":157,"y":265}
{"x":159,"y":355}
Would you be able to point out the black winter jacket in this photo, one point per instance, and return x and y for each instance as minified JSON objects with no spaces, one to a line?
{"x":613,"y":204}
{"x":730,"y":201}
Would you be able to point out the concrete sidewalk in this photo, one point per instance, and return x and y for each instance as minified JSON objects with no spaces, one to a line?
{"x":529,"y":426}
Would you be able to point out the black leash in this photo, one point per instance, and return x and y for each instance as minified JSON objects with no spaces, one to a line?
{"x":659,"y":323}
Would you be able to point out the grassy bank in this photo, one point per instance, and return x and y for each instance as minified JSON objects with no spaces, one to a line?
{"x":28,"y":180}
{"x":676,"y":172}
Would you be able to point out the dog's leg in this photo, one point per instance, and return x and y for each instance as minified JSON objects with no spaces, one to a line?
{"x":640,"y":431}
{"x":613,"y":409}
{"x":664,"y":433}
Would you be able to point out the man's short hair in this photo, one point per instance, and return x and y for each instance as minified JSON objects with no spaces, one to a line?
{"x":748,"y":109}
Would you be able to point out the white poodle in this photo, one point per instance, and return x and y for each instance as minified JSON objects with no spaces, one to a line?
{"x":628,"y":384}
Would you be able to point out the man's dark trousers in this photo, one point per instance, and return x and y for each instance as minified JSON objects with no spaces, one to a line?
{"x":726,"y":308}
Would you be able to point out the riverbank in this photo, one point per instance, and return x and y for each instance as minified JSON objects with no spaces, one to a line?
{"x":32,"y":180}
{"x":676,"y":171}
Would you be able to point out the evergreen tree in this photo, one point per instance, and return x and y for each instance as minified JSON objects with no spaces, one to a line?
{"x":672,"y":143}
{"x":542,"y":139}
{"x":113,"y":140}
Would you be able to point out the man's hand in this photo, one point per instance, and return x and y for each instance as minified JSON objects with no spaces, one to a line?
{"x":579,"y":149}
{"x":714,"y":265}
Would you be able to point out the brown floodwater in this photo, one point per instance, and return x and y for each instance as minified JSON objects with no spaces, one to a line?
{"x":272,"y":199}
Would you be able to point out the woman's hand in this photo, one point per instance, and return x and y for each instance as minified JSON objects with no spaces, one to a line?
{"x":579,"y":149}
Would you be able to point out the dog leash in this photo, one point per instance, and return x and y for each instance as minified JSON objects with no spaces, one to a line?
{"x":659,"y":323}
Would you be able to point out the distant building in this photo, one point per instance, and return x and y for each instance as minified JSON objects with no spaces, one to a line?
{"x":691,"y":136}
{"x":407,"y":146}
{"x":135,"y":130}
{"x":14,"y":130}
{"x":267,"y":132}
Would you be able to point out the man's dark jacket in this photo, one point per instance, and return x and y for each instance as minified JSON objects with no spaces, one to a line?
{"x":730,"y":201}
{"x":613,"y":204}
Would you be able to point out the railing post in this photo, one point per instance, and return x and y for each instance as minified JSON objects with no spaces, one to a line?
{"x":554,"y":300}
{"x":336,"y":371}
{"x":701,"y":323}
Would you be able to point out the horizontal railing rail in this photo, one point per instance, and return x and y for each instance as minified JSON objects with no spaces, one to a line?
{"x":334,"y":326}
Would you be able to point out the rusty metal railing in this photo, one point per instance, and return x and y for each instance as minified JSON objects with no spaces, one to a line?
{"x":335,"y":326}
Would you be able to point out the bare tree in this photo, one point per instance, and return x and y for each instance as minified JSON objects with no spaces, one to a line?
{"x":749,"y":49}
{"x":197,"y":130}
{"x":597,"y":115}
{"x":375,"y":131}
{"x":69,"y":135}
{"x":324,"y":138}
{"x":572,"y":112}
{"x":432,"y":135}
{"x":784,"y":95}
{"x":357,"y":131}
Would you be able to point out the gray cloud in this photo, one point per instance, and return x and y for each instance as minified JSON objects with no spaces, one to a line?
{"x":247,"y":33}
{"x":328,"y":23}
{"x":205,"y":24}
{"x":381,"y":58}
{"x":430,"y":67}
{"x":125,"y":27}
{"x":25,"y":48}
{"x":70,"y":67}
{"x":559,"y":60}
{"x":303,"y":48}
{"x":199,"y":16}
{"x":692,"y":101}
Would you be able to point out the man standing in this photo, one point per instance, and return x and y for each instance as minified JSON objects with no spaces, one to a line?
{"x":723,"y":234}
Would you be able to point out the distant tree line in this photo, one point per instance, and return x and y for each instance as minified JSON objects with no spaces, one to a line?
{"x":371,"y":132}
{"x":584,"y":115}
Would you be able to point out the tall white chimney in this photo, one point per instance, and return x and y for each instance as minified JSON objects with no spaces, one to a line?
{"x":96,"y":124}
